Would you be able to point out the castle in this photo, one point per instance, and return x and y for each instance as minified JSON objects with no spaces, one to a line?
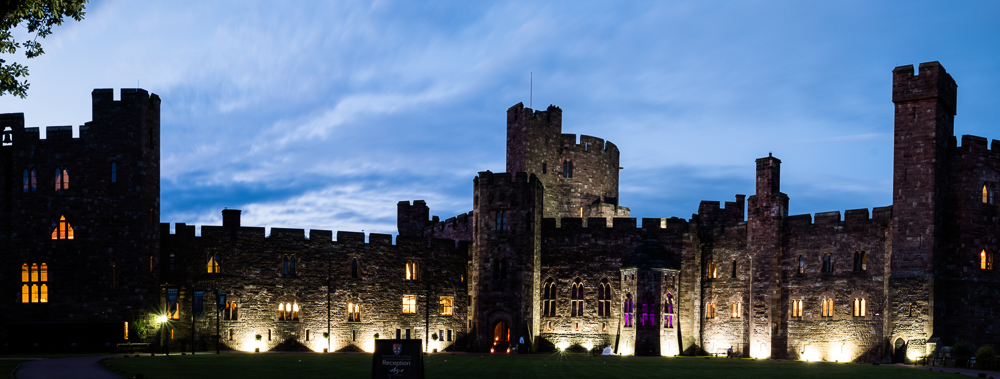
{"x":547,"y":254}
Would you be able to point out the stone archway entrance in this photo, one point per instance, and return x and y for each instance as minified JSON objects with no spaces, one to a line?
{"x":899,"y":351}
{"x":501,"y":338}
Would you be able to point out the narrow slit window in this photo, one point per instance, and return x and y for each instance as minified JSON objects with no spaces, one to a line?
{"x":114,"y":172}
{"x":25,"y":180}
{"x":986,"y":260}
{"x":34,"y":181}
{"x":354,"y":268}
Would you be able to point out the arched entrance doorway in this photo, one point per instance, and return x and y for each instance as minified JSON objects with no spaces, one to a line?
{"x":899,"y":351}
{"x":501,"y":338}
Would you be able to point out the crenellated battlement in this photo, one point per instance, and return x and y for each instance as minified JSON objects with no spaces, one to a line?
{"x":852,"y":217}
{"x":710,"y":213}
{"x":317,"y":236}
{"x":618,"y":224}
{"x":977,"y":145}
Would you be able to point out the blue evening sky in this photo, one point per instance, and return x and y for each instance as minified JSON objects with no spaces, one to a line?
{"x":323,"y":115}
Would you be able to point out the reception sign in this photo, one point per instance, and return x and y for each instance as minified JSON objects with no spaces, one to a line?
{"x":398,"y":359}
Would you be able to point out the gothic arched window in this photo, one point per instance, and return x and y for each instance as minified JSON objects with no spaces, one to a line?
{"x":62,"y":230}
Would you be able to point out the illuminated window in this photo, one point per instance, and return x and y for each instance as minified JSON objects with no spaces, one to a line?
{"x":576,"y":299}
{"x":353,"y":312}
{"x":174,"y":310}
{"x":447,"y":304}
{"x":986,"y":260}
{"x":711,"y":270}
{"x":604,"y":299}
{"x":802,"y":265}
{"x":648,"y":311}
{"x":737,"y":309}
{"x":34,"y":274}
{"x":628,"y":310}
{"x":501,"y":220}
{"x":354,"y":268}
{"x":668,"y":312}
{"x":62,"y":179}
{"x":827,"y":306}
{"x":25,"y":180}
{"x":409,"y":304}
{"x":411,"y":271}
{"x":231,"y":312}
{"x":33,"y":181}
{"x":827,"y":262}
{"x":860,"y":261}
{"x":796,"y":308}
{"x":126,"y":330}
{"x":288,"y":264}
{"x":288,"y":311}
{"x":62,"y":230}
{"x":114,"y":172}
{"x":213,"y":265}
{"x":567,"y":169}
{"x":859,"y":307}
{"x":549,"y":298}
{"x":710,"y":310}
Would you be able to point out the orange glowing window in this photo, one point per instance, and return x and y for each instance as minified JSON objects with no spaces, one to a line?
{"x":213,"y":264}
{"x":24,"y":273}
{"x":859,"y":308}
{"x":34,"y":272}
{"x":737,"y":308}
{"x":796,"y":308}
{"x":447,"y":303}
{"x":409,"y":304}
{"x":711,"y":270}
{"x":411,"y":271}
{"x":44,"y":272}
{"x":986,"y":260}
{"x":25,"y":294}
{"x":62,"y":230}
{"x":44,"y":295}
{"x":126,"y":330}
{"x":34,"y":293}
{"x":827,"y":308}
{"x":985,"y":194}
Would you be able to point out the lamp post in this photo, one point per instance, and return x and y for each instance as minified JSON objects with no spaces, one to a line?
{"x":162,"y":319}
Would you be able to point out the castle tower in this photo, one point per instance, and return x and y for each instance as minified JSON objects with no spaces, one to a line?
{"x":766,"y":213}
{"x":81,"y":219}
{"x":506,"y":258}
{"x":580,"y":179}
{"x":924,"y":104}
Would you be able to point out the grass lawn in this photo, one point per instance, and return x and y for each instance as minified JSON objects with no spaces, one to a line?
{"x":7,"y":367}
{"x":303,"y":366}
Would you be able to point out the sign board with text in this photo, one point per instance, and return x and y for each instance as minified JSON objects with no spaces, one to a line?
{"x":400,"y":359}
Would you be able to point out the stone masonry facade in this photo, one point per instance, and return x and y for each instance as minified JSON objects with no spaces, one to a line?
{"x":547,"y":254}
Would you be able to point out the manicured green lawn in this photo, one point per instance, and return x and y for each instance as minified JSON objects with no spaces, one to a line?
{"x":303,"y":366}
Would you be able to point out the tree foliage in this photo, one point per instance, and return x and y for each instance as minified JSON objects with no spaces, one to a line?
{"x":38,"y":17}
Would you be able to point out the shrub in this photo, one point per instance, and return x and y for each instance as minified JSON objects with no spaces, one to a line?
{"x":985,"y":355}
